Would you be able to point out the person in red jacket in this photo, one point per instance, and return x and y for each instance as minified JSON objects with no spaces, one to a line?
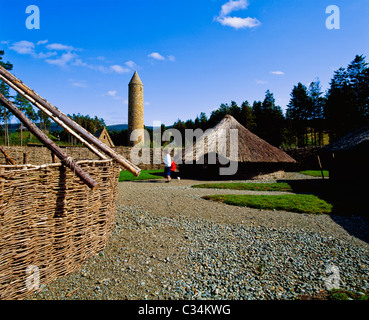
{"x":173,"y":168}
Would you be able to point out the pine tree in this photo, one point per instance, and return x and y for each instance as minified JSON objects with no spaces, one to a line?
{"x":24,"y":105}
{"x":316,"y":110}
{"x":4,"y":89}
{"x":269,"y":120}
{"x":298,"y":112}
{"x":247,"y":118}
{"x":347,"y":105}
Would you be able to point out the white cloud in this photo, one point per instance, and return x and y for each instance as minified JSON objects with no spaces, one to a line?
{"x":156,"y":56}
{"x":131,"y":64}
{"x":57,"y":57}
{"x":278,"y":73}
{"x":232,"y":5}
{"x":80,"y":63}
{"x":78,"y":83}
{"x":119,"y":69}
{"x":42,"y":42}
{"x":61,"y":47}
{"x":261,"y":82}
{"x":238,"y":23}
{"x":23,"y":47}
{"x":42,"y":55}
{"x":171,"y":58}
{"x":63,"y":60}
{"x":27,"y":47}
{"x":112,"y":93}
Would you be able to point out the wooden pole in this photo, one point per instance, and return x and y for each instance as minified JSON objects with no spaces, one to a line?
{"x":25,"y":158}
{"x":2,"y":185}
{"x":65,"y":159}
{"x":56,"y":120}
{"x":7,"y":158}
{"x":10,"y":79}
{"x":320,"y":166}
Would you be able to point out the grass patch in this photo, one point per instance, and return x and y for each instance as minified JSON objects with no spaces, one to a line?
{"x":144,"y":175}
{"x":300,"y":203}
{"x":315,"y":173}
{"x":336,"y":294}
{"x":340,"y":294}
{"x":281,"y":186}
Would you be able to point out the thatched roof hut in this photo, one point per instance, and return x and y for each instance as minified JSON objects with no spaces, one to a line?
{"x":252,"y":154}
{"x":103,"y":135}
{"x":348,"y":157}
{"x":351,"y":141}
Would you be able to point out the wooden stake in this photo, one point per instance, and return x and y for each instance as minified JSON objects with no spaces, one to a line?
{"x":65,"y":159}
{"x":2,"y":184}
{"x":7,"y":158}
{"x":25,"y":158}
{"x":320,"y":166}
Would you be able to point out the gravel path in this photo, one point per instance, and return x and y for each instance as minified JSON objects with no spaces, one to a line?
{"x":171,"y":244}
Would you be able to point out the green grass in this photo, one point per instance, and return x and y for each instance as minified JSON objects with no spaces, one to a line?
{"x":340,"y":294}
{"x":300,"y":203}
{"x":144,"y":175}
{"x":15,"y":139}
{"x":336,"y":294}
{"x":281,"y":186}
{"x":315,"y":173}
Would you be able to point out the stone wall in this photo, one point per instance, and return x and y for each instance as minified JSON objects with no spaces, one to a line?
{"x":41,"y":155}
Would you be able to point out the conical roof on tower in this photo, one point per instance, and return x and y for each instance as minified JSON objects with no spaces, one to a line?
{"x":135,"y":79}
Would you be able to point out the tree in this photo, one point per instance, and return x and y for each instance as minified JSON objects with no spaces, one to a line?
{"x":217,"y":115}
{"x":269,"y":120}
{"x":347,"y":104}
{"x":316,"y":109}
{"x":45,"y":122}
{"x":247,"y":118}
{"x":297,"y":114}
{"x":4,"y":89}
{"x":201,"y":122}
{"x":24,"y":105}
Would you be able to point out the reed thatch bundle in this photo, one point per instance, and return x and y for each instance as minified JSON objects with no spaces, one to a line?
{"x":250,"y":148}
{"x":349,"y":141}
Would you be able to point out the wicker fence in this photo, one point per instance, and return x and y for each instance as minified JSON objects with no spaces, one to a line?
{"x":51,"y":222}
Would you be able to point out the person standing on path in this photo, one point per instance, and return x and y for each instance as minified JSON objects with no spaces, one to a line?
{"x":168,"y":165}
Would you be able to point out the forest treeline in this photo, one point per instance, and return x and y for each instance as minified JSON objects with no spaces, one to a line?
{"x":311,"y":117}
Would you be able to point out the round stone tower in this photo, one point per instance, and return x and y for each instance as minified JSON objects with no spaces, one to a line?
{"x":135,"y":109}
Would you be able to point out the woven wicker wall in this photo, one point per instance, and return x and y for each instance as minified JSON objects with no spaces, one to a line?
{"x":52,"y":222}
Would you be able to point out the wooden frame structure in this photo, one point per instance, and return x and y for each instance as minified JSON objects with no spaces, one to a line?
{"x":85,"y":137}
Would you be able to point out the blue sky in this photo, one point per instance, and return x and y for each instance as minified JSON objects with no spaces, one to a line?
{"x":191,"y":55}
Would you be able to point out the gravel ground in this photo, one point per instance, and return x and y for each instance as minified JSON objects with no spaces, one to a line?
{"x":171,"y":244}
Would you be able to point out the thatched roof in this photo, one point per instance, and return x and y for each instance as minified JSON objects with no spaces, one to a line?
{"x":349,"y":141}
{"x":251,"y":148}
{"x":103,"y":135}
